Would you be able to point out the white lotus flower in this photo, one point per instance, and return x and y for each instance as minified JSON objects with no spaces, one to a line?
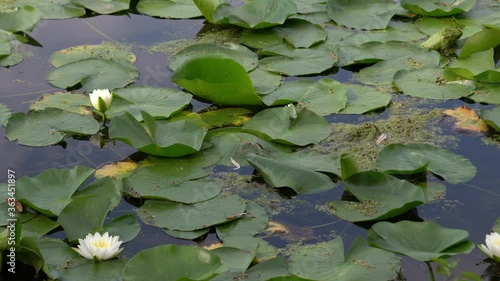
{"x":99,"y":247}
{"x":492,"y":248}
{"x":101,"y":99}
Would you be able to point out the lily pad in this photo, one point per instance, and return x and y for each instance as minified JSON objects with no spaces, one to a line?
{"x":160,"y":103}
{"x":234,"y":143}
{"x":323,"y":260}
{"x":433,"y":83}
{"x":252,"y":222}
{"x":261,"y":38}
{"x":60,"y":9}
{"x":234,"y":116}
{"x":5,"y":113}
{"x":208,"y":8}
{"x":363,"y":99}
{"x":264,"y":82}
{"x":38,"y":226}
{"x":170,"y":139}
{"x":236,"y":260}
{"x":189,"y":235}
{"x":124,"y":226}
{"x":170,"y":9}
{"x":70,"y":102}
{"x":172,"y":263}
{"x":361,"y":14}
{"x":179,"y":184}
{"x":256,"y":14}
{"x":47,"y":127}
{"x":442,"y":8}
{"x":291,"y":172}
{"x":50,"y":191}
{"x":285,"y":59}
{"x":381,"y":196}
{"x":492,"y":117}
{"x":11,"y":59}
{"x":217,"y":79}
{"x":280,"y":125}
{"x":423,"y":241}
{"x":188,"y":217}
{"x":104,"y":6}
{"x":323,"y":97}
{"x":110,"y":269}
{"x":415,"y":158}
{"x":301,"y":33}
{"x":19,"y":18}
{"x":57,"y":255}
{"x":479,"y":66}
{"x":104,"y":52}
{"x":93,"y":74}
{"x":236,"y":52}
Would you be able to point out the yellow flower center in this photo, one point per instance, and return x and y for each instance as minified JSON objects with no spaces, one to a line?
{"x":101,"y":244}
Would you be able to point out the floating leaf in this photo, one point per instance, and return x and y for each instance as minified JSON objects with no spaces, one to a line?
{"x":363,"y":99}
{"x":361,"y":14}
{"x":47,"y":127}
{"x":104,"y":6}
{"x":208,"y":8}
{"x":481,"y":41}
{"x":467,"y":119}
{"x":264,"y":82}
{"x":116,"y":170}
{"x":415,"y":158}
{"x":301,"y":33}
{"x":285,"y":59}
{"x":70,"y":102}
{"x":486,"y":93}
{"x":60,"y":9}
{"x":57,"y":255}
{"x":234,"y":116}
{"x":171,"y":139}
{"x":361,"y":262}
{"x":261,"y":38}
{"x":189,"y":235}
{"x":252,"y":222}
{"x":479,"y":66}
{"x":124,"y":226}
{"x":279,"y":125}
{"x":104,"y":52}
{"x":442,"y":8}
{"x":236,"y":52}
{"x":172,"y":263}
{"x":291,"y":172}
{"x":38,"y":226}
{"x":256,"y":14}
{"x":380,"y":196}
{"x":236,"y":260}
{"x":19,"y":18}
{"x":491,"y":117}
{"x":323,"y":97}
{"x":217,"y":79}
{"x":423,"y":241}
{"x":95,"y":271}
{"x":433,"y":83}
{"x":173,"y":9}
{"x":5,"y":113}
{"x":188,"y":217}
{"x":160,"y":103}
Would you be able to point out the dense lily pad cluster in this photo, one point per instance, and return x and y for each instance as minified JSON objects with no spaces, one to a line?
{"x":261,"y":116}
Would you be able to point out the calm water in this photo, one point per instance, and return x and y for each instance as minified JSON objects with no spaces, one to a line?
{"x":472,"y":206}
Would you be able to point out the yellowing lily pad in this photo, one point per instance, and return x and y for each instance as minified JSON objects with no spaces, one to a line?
{"x":467,"y":119}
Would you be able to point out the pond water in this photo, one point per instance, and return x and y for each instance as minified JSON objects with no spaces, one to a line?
{"x":472,"y":206}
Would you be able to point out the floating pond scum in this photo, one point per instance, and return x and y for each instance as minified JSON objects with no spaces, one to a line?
{"x":249,"y":140}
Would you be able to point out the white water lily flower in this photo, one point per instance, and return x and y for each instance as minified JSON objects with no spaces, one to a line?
{"x":492,"y":248}
{"x":101,"y":99}
{"x":99,"y":247}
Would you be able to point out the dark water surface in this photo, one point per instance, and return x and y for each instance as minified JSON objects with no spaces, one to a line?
{"x":472,"y":206}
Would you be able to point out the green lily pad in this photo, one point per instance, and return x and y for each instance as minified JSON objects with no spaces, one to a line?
{"x":381,"y":196}
{"x":415,"y":158}
{"x":104,"y":6}
{"x":264,"y":82}
{"x":47,"y":127}
{"x":172,"y":263}
{"x":124,"y":226}
{"x":442,"y":8}
{"x":188,"y":217}
{"x":170,"y":9}
{"x":323,"y":97}
{"x":234,"y":116}
{"x":236,"y":52}
{"x":160,"y":103}
{"x":58,"y":256}
{"x":290,"y":172}
{"x":50,"y":191}
{"x":19,"y":18}
{"x":301,"y":33}
{"x":70,"y":102}
{"x":236,"y":260}
{"x":171,"y":183}
{"x":280,"y":125}
{"x":396,"y":31}
{"x":170,"y":139}
{"x":256,"y":14}
{"x":486,"y":93}
{"x":234,"y":143}
{"x":479,"y":66}
{"x":60,"y":9}
{"x":103,"y":187}
{"x":433,"y":83}
{"x":104,"y":270}
{"x":5,"y":113}
{"x":382,"y":73}
{"x":188,"y":235}
{"x":423,"y":241}
{"x":285,"y":59}
{"x":93,"y":74}
{"x":323,"y":260}
{"x":360,"y":14}
{"x":208,"y":8}
{"x":491,"y":117}
{"x":11,"y":59}
{"x":217,"y":79}
{"x":363,"y":99}
{"x":38,"y":226}
{"x":82,"y":52}
{"x":264,"y":271}
{"x":261,"y":38}
{"x":201,"y":159}
{"x":253,"y":221}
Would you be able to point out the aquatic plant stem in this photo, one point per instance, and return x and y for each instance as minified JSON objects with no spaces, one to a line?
{"x":431,"y":272}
